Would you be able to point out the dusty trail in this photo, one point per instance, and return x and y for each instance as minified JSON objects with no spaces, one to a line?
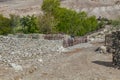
{"x":82,"y":64}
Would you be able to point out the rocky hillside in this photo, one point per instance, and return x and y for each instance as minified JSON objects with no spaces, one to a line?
{"x":105,"y":8}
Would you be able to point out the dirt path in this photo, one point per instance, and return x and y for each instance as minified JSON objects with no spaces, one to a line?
{"x":81,"y":64}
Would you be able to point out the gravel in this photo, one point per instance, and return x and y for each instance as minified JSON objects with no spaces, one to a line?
{"x":19,"y":51}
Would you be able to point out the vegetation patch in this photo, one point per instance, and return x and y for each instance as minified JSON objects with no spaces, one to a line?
{"x":54,"y":20}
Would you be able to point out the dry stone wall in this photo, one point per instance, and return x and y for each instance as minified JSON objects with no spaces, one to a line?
{"x":113,"y":44}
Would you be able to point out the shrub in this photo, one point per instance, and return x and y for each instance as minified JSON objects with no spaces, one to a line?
{"x":29,"y":24}
{"x":4,"y":25}
{"x":116,"y":24}
{"x":47,"y":24}
{"x":69,"y":21}
{"x":49,"y":6}
{"x":15,"y":23}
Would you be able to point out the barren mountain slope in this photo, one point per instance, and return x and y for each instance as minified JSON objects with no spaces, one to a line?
{"x":105,"y":8}
{"x":87,"y":3}
{"x":20,"y":7}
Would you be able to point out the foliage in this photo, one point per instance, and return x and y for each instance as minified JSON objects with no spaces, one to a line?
{"x":54,"y":20}
{"x":4,"y":25}
{"x":116,"y":24}
{"x":29,"y":24}
{"x":69,"y":21}
{"x":47,"y":24}
{"x":15,"y":22}
{"x":49,"y":6}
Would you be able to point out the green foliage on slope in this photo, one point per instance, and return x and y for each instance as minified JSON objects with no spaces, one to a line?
{"x":4,"y":25}
{"x":70,"y":22}
{"x":54,"y":20}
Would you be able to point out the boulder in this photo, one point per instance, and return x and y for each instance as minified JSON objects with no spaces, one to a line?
{"x":101,"y":49}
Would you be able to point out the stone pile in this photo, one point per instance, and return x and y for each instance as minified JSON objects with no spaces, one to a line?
{"x":108,"y":42}
{"x":113,"y":45}
{"x":33,"y":36}
{"x":116,"y":48}
{"x":53,"y":36}
{"x":74,"y":41}
{"x":17,"y":50}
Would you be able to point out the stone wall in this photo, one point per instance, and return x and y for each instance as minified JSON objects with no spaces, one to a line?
{"x":39,"y":36}
{"x":113,"y":44}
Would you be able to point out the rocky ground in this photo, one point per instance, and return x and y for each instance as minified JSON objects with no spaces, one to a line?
{"x":79,"y":62}
{"x":38,"y":59}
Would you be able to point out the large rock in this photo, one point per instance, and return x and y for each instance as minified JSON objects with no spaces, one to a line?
{"x":102,"y":49}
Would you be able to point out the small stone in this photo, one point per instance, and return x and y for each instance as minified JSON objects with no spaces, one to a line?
{"x":92,"y":39}
{"x":12,"y":53}
{"x":102,"y":49}
{"x":16,"y":67}
{"x":40,"y":60}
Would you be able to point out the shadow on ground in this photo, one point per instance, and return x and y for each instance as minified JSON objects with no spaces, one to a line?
{"x":103,"y":63}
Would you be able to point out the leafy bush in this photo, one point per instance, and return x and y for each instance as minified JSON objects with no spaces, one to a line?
{"x":116,"y":24}
{"x":29,"y":24}
{"x":4,"y":25}
{"x":49,"y":6}
{"x":15,"y":23}
{"x":54,"y":20}
{"x":69,"y":21}
{"x":47,"y":24}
